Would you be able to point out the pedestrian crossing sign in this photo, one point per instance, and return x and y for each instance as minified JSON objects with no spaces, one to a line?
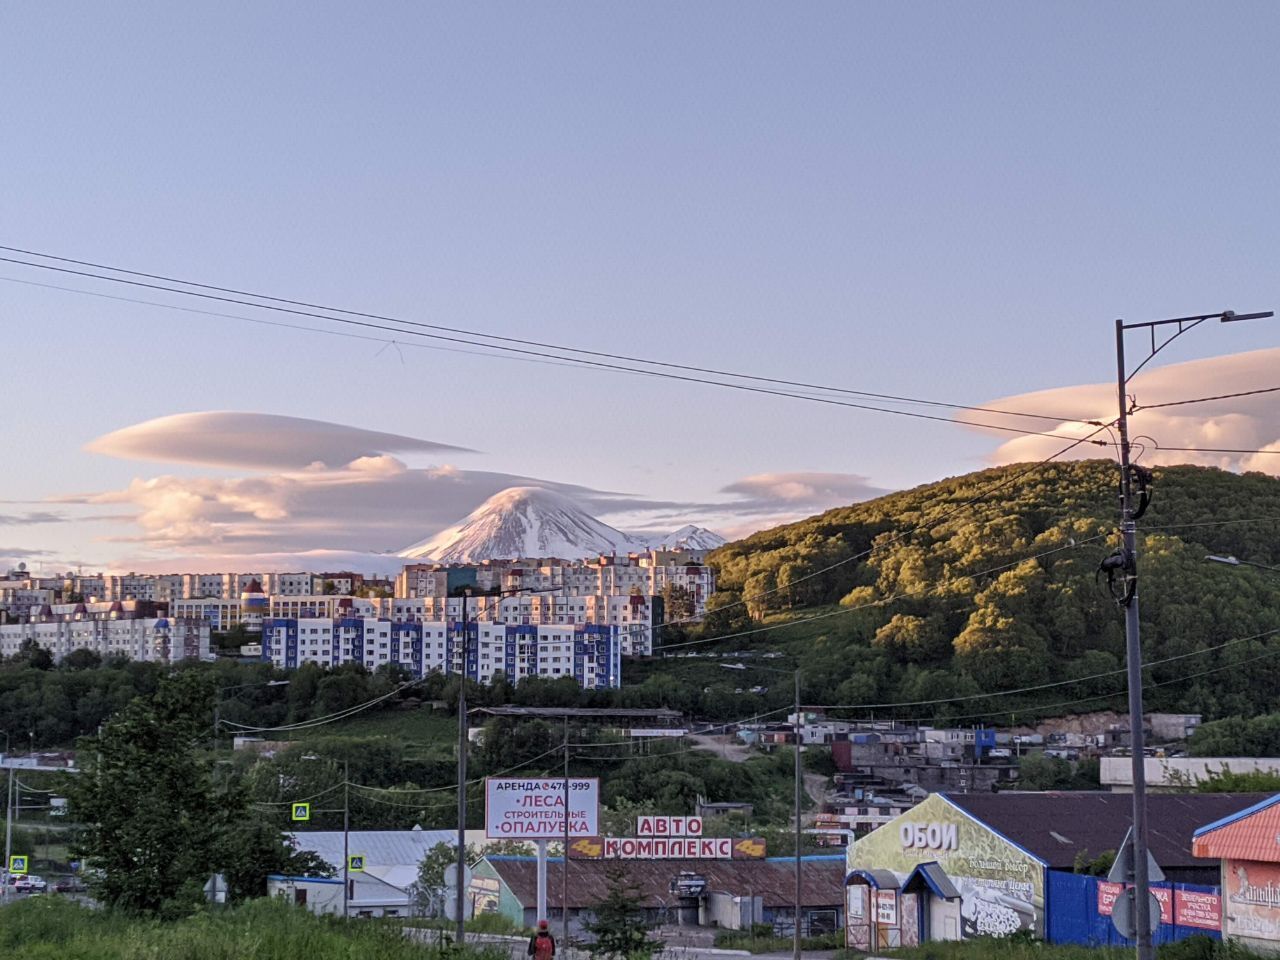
{"x":302,"y":811}
{"x":355,"y":863}
{"x":18,"y":865}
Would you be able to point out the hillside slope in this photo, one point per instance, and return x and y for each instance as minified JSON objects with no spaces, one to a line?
{"x":952,"y":599}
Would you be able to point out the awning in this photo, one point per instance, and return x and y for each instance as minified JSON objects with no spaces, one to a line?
{"x":880,"y":879}
{"x":935,"y":878}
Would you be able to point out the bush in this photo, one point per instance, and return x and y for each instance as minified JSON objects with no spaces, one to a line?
{"x":49,"y":928}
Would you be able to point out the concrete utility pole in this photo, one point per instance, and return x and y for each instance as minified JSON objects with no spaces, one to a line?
{"x":1128,"y":598}
{"x":346,"y":838}
{"x":564,"y":860}
{"x":799,"y":787}
{"x":460,"y":930}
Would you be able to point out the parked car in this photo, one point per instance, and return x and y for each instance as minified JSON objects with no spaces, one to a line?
{"x":69,"y":885}
{"x":22,"y":885}
{"x":38,"y":884}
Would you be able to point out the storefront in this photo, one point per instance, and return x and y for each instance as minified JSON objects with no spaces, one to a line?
{"x":968,"y":865}
{"x":1247,"y":844}
{"x":937,"y":873}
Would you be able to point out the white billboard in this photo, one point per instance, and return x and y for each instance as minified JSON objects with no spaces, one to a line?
{"x":516,"y":808}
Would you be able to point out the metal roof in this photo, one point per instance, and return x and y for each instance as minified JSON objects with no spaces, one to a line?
{"x":935,"y":878}
{"x":773,"y":880}
{"x":380,"y":848}
{"x":1056,"y":826}
{"x":582,"y":713}
{"x":1248,"y":834}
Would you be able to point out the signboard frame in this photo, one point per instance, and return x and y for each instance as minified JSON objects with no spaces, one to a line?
{"x":505,"y":806}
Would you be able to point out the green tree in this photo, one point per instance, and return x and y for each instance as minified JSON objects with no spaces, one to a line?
{"x":156,"y":826}
{"x":618,"y":921}
{"x":428,"y":889}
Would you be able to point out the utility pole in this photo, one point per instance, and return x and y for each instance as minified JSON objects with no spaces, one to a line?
{"x":460,"y":932}
{"x":564,"y":860}
{"x":8,"y":818}
{"x":346,"y":838}
{"x":795,"y":943}
{"x":1127,"y":562}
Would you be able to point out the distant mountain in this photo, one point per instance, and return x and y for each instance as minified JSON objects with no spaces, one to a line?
{"x":689,"y":537}
{"x":524,"y":522}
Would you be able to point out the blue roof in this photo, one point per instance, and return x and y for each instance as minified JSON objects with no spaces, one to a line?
{"x":935,"y":878}
{"x":1246,"y":812}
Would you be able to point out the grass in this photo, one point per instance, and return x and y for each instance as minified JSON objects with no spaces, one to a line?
{"x":738,"y":940}
{"x":48,"y":928}
{"x":437,"y":731}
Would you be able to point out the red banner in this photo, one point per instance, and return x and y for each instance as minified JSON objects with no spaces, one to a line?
{"x":1202,"y":910}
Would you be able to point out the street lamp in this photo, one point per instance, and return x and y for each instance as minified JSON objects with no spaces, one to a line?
{"x":1234,"y":562}
{"x":460,"y":931}
{"x":346,"y":828}
{"x":1125,"y":563}
{"x":217,"y":700}
{"x":799,"y":787}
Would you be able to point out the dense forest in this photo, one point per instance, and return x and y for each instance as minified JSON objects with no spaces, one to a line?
{"x":989,"y":582}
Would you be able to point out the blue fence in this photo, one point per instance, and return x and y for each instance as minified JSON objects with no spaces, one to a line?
{"x":1072,"y":913}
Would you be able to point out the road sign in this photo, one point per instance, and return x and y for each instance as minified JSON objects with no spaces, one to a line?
{"x":215,"y":889}
{"x":355,"y":863}
{"x":1124,"y":914}
{"x":302,"y":811}
{"x":18,"y":864}
{"x":451,"y":908}
{"x":1122,"y":870}
{"x":451,"y":876}
{"x":520,"y":808}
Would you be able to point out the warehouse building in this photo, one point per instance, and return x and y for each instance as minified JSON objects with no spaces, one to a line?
{"x":959,"y":866}
{"x":730,"y":894}
{"x":1246,"y":845}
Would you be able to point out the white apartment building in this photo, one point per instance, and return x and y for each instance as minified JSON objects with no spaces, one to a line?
{"x":133,"y":630}
{"x":589,"y":653}
{"x":287,"y":584}
{"x":633,"y":615}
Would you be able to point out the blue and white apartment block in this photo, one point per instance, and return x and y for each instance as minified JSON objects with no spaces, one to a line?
{"x":590,"y":653}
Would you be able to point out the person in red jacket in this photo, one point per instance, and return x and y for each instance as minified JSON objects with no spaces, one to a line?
{"x":542,"y":945}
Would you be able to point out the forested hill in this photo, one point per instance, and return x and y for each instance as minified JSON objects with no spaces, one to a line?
{"x":988,"y":581}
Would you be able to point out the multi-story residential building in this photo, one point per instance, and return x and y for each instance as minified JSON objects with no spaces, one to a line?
{"x":140,"y":630}
{"x":129,"y":586}
{"x":344,"y":582}
{"x":590,"y":653}
{"x":286,"y":584}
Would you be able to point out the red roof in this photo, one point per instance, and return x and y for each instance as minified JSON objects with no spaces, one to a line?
{"x":1251,"y":834}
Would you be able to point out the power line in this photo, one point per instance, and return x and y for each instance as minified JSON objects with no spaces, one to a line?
{"x":902,"y":534}
{"x":462,"y":331}
{"x":1160,"y":446}
{"x":1221,"y":396}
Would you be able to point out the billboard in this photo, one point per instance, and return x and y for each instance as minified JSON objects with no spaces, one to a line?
{"x":516,"y":808}
{"x":667,"y":848}
{"x":1251,"y":890}
{"x":1001,"y":887}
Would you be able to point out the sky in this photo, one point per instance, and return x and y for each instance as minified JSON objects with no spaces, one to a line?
{"x":944,"y":201}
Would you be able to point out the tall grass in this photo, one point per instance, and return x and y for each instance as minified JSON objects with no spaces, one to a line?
{"x":53,"y":929}
{"x":1024,"y":948}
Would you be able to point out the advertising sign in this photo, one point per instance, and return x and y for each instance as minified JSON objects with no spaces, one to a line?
{"x":1203,"y":910}
{"x":1252,"y":891}
{"x":1001,"y":887}
{"x":887,"y":908}
{"x":519,"y":809}
{"x":664,"y":848}
{"x":668,"y":826}
{"x":1109,"y":893}
{"x":486,"y":894}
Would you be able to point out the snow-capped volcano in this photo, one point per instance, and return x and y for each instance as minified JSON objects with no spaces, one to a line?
{"x":524,"y":522}
{"x":690,"y":537}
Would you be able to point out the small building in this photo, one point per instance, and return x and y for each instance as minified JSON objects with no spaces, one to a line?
{"x":1179,"y":773}
{"x":730,"y":894}
{"x":373,"y":892}
{"x":1246,"y":846}
{"x":1002,"y":853}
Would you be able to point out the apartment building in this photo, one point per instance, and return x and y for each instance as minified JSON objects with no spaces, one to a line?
{"x":590,"y":653}
{"x":139,"y":630}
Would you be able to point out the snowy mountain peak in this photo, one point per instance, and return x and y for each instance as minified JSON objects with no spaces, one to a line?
{"x":523,"y":522}
{"x":690,"y":537}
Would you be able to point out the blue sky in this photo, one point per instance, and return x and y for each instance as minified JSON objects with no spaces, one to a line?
{"x":951,"y":201}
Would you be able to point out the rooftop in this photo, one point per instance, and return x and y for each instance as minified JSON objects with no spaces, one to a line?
{"x":1057,"y":826}
{"x":773,"y":880}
